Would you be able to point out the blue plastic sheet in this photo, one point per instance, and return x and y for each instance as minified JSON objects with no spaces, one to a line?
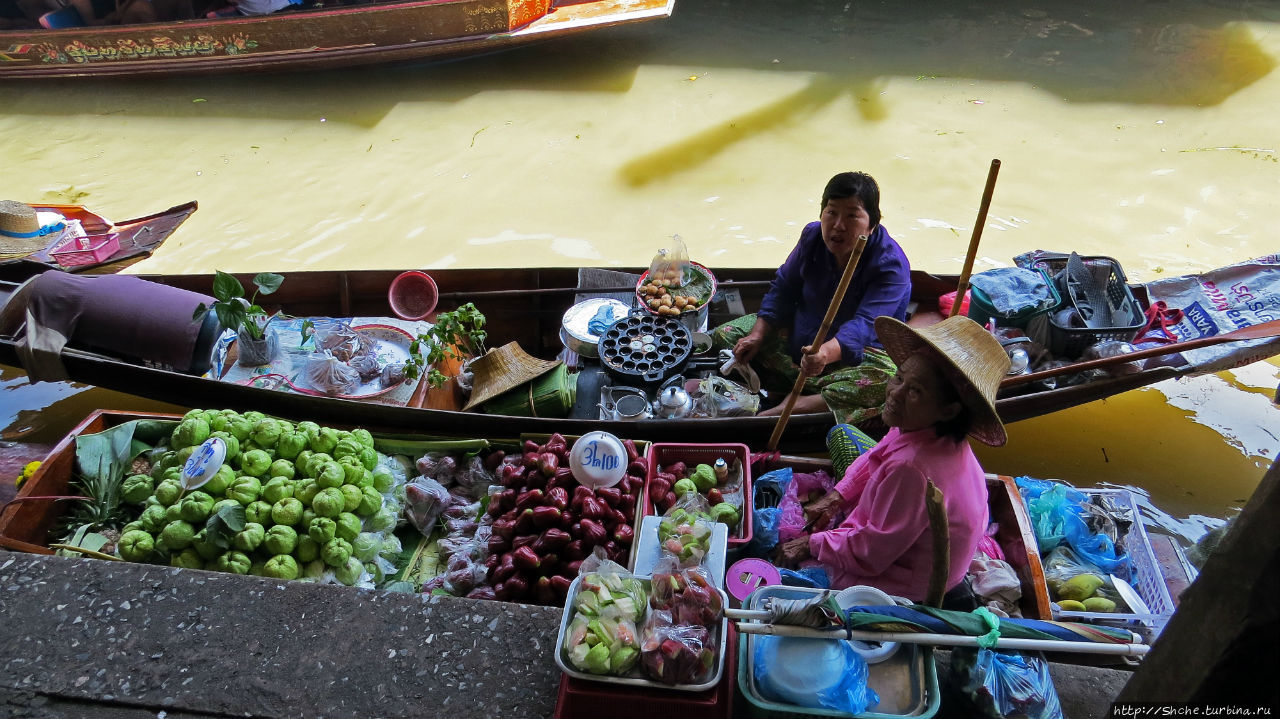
{"x":1057,"y":517}
{"x":822,"y":674}
{"x":813,"y":577}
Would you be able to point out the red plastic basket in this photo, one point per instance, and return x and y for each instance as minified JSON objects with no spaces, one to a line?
{"x":96,"y":249}
{"x":662,"y":454}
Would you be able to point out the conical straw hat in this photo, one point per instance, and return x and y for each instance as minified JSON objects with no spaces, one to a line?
{"x":973,"y":360}
{"x":502,"y":369}
{"x":20,"y":230}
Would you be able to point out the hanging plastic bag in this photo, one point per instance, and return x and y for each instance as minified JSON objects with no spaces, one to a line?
{"x":822,"y":674}
{"x":1005,"y":685}
{"x":669,"y":267}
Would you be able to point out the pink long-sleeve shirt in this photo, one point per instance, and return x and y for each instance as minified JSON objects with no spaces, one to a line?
{"x":884,"y":541}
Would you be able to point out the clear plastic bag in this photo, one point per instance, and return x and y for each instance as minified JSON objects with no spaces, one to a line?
{"x":1004,"y":685}
{"x":425,"y":501}
{"x":688,"y":594}
{"x":670,"y":267}
{"x":326,"y":373}
{"x":720,"y":397}
{"x":339,"y":339}
{"x":439,"y":466}
{"x":674,"y":653}
{"x":685,"y":530}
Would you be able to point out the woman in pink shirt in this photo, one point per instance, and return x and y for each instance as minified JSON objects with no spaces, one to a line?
{"x":943,"y":392}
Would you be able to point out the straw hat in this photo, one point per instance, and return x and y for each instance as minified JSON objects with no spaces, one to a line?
{"x":502,"y":369}
{"x":20,"y":230}
{"x":973,"y":360}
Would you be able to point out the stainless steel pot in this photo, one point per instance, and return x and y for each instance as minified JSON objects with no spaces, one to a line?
{"x":575,"y":332}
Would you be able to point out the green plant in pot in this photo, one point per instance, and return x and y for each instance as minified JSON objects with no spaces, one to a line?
{"x":258,"y":344}
{"x":455,"y":335}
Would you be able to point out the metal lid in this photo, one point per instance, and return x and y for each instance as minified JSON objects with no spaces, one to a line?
{"x":577,"y":317}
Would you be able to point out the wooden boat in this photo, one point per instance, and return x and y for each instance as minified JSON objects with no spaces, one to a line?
{"x":29,"y":526}
{"x":526,"y":306}
{"x":326,"y":35}
{"x":137,"y":238}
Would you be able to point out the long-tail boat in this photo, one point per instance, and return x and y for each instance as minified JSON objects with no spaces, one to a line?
{"x":316,"y":35}
{"x":527,"y":305}
{"x":134,"y":240}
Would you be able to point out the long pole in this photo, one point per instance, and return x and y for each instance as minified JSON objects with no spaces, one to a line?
{"x":978,"y":224}
{"x":821,"y":337}
{"x":944,"y":640}
{"x":1259,"y":331}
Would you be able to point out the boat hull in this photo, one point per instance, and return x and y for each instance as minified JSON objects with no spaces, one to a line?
{"x":342,"y":36}
{"x":525,"y":306}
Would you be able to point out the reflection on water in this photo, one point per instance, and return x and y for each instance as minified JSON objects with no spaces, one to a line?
{"x":1132,"y":130}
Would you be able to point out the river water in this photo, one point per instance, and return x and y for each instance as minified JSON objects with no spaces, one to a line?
{"x":1141,"y":130}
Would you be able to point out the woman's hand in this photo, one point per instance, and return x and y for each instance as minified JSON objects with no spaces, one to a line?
{"x":814,"y":362}
{"x":793,"y":551}
{"x":823,"y":512}
{"x":747,"y":347}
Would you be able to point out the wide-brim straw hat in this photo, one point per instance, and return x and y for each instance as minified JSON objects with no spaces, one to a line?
{"x":502,"y":369}
{"x":21,"y":232}
{"x":972,"y":359}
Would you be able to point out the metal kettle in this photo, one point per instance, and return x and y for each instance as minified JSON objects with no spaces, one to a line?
{"x":673,"y":401}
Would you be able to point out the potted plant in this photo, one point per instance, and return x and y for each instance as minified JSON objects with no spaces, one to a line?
{"x":258,"y":343}
{"x":443,"y":351}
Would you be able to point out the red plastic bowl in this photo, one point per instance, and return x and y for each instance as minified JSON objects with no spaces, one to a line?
{"x":413,"y":295}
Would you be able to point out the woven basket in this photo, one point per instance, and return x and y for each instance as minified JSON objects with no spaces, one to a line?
{"x":550,"y":395}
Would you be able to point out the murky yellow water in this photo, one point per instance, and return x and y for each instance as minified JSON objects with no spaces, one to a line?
{"x":1143,"y":131}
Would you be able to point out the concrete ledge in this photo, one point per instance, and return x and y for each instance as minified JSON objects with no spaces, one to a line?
{"x":89,"y":638}
{"x":156,"y":638}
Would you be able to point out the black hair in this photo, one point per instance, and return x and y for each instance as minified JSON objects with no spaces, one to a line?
{"x":855,"y":184}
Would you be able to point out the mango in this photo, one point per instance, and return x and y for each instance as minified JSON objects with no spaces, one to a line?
{"x":1098,"y":604}
{"x":1070,"y":605}
{"x":1080,"y":587}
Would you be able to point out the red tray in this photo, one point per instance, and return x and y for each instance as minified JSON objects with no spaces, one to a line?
{"x":662,"y":454}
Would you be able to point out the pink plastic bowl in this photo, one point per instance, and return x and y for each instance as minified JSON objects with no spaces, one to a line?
{"x":413,"y":295}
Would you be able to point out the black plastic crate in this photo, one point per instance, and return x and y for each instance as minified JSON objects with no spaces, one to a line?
{"x":1071,"y":342}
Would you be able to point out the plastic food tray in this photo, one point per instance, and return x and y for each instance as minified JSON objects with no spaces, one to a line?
{"x":1145,"y":578}
{"x":649,"y":551}
{"x":635,"y":678}
{"x":907,"y":682}
{"x":664,"y":453}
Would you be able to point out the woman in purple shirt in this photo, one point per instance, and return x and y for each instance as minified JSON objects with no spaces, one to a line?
{"x":848,"y":372}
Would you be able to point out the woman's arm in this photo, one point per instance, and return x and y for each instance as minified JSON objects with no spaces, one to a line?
{"x":888,"y":519}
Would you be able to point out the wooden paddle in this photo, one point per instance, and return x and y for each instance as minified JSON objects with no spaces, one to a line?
{"x":977,"y":235}
{"x":939,"y":529}
{"x":1253,"y":332}
{"x":858,"y":246}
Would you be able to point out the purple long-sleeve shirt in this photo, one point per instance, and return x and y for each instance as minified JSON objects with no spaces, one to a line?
{"x":804,"y":285}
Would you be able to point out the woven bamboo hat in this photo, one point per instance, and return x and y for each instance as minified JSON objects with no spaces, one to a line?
{"x":502,"y":369}
{"x":21,"y":232}
{"x":972,"y":359}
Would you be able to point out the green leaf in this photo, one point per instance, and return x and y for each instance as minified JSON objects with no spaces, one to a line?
{"x":268,"y":282}
{"x":201,"y":310}
{"x":400,"y":587}
{"x":226,"y":287}
{"x":224,"y":524}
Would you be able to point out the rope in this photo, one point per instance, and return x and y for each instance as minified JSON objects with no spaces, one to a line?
{"x":988,"y":640}
{"x":1160,"y":314}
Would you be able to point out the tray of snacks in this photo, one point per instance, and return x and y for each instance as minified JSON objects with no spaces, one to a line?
{"x":665,"y":631}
